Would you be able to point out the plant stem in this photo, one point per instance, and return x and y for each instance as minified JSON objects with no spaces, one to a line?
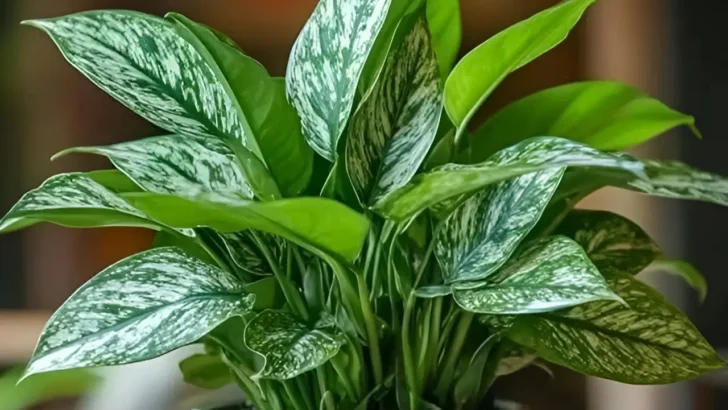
{"x":453,"y":355}
{"x":370,"y":322}
{"x":341,"y":371}
{"x":409,"y":371}
{"x":294,"y":395}
{"x":327,"y":399}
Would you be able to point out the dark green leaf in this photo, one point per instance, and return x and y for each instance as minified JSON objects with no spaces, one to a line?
{"x":137,"y":309}
{"x":205,"y":371}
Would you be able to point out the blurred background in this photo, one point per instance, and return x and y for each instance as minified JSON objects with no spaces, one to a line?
{"x":673,"y":49}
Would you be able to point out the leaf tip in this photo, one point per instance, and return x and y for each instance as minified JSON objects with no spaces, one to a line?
{"x":42,"y":24}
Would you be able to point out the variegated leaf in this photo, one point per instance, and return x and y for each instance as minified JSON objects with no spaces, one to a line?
{"x":139,"y":308}
{"x":289,"y":346}
{"x":245,"y":254}
{"x":73,"y":200}
{"x":481,"y":234}
{"x":145,"y":64}
{"x":322,"y":226}
{"x":610,"y":239}
{"x":689,"y":273}
{"x":389,"y":136}
{"x":646,"y":342}
{"x":325,"y":64}
{"x":528,"y":156}
{"x":544,"y":275}
{"x":178,"y":165}
{"x":516,"y":358}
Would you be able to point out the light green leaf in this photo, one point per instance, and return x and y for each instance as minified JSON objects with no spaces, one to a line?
{"x":260,"y":101}
{"x":178,"y":165}
{"x":43,"y":387}
{"x":145,"y":64}
{"x":205,"y":371}
{"x":325,"y":64}
{"x":647,"y":342}
{"x":543,"y":275}
{"x":289,"y":346}
{"x":443,"y":18}
{"x":114,"y":180}
{"x":528,"y":156}
{"x":483,"y":232}
{"x":391,"y":133}
{"x":322,"y":226}
{"x":478,"y":74}
{"x":606,"y":115}
{"x":139,"y":308}
{"x":73,"y":200}
{"x":434,"y":291}
{"x":610,"y":239}
{"x":683,"y":269}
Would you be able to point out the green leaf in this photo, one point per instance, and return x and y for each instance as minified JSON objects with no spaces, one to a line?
{"x":245,"y":253}
{"x":322,"y":226}
{"x":481,"y":234}
{"x":391,"y":133}
{"x":139,"y":308}
{"x":114,"y":180}
{"x":606,"y":115}
{"x":73,"y":200}
{"x":191,"y":246}
{"x":610,"y":239}
{"x":205,"y":371}
{"x":478,"y":74}
{"x":289,"y":346}
{"x":443,"y":18}
{"x":178,"y":165}
{"x":467,"y":386}
{"x":145,"y":64}
{"x":647,"y":342}
{"x":325,"y":64}
{"x":515,"y":359}
{"x":543,"y":275}
{"x":43,"y":387}
{"x":529,"y":156}
{"x":260,"y":101}
{"x":683,"y":269}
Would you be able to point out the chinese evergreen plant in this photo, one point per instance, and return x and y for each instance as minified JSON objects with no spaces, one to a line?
{"x":342,"y":238}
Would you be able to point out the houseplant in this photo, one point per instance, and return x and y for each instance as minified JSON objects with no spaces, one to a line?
{"x":340,"y":238}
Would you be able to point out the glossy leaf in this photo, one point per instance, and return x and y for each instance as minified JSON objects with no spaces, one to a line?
{"x":683,"y":269}
{"x":647,"y":342}
{"x":289,"y":346}
{"x":610,"y":239}
{"x":178,"y":165}
{"x":323,"y":226}
{"x":114,"y":180}
{"x":544,"y":275}
{"x":478,"y":74}
{"x":529,"y":156}
{"x":606,"y":115}
{"x":443,"y":18}
{"x":483,"y":232}
{"x":325,"y":64}
{"x":389,"y":136}
{"x":141,"y":61}
{"x":73,"y":200}
{"x":205,"y":371}
{"x":137,"y":309}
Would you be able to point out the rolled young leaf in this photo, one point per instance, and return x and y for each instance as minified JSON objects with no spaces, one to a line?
{"x":610,"y":239}
{"x":646,"y":342}
{"x":478,"y":74}
{"x":325,"y":64}
{"x":390,"y":134}
{"x":531,"y":155}
{"x":544,"y":275}
{"x":289,"y":346}
{"x":606,"y":115}
{"x":322,"y":226}
{"x":141,"y":61}
{"x":176,"y":165}
{"x":483,"y":232}
{"x":137,"y":309}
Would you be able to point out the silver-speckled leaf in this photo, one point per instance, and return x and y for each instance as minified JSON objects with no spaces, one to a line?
{"x":390,"y":134}
{"x":325,"y":64}
{"x":610,"y":239}
{"x":647,"y":342}
{"x":141,"y":61}
{"x":246,"y":255}
{"x":543,"y":275}
{"x":528,"y":156}
{"x":73,"y":200}
{"x":137,"y":309}
{"x":481,"y":234}
{"x":175,"y":164}
{"x":289,"y":346}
